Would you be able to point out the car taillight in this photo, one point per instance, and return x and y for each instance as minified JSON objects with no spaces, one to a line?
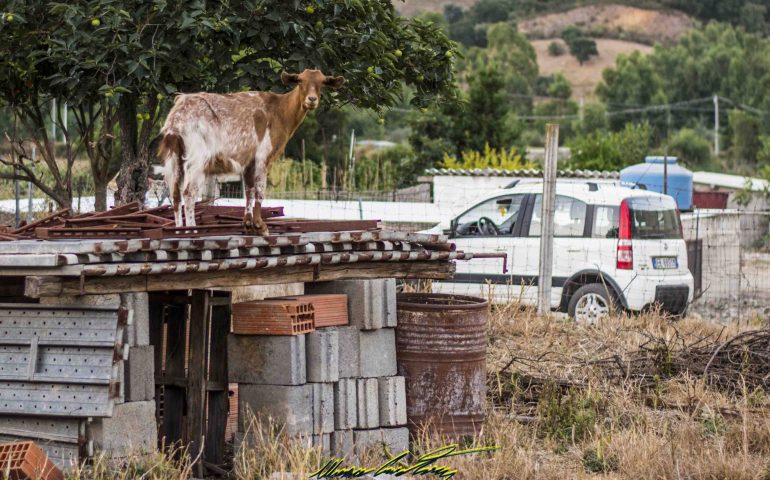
{"x":625,"y":248}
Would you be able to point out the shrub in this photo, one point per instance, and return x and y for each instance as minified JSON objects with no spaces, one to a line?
{"x":503,"y":159}
{"x":555,"y":49}
{"x":690,"y":147}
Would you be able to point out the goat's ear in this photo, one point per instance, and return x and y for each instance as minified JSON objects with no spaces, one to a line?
{"x":334,"y":82}
{"x":287,"y":78}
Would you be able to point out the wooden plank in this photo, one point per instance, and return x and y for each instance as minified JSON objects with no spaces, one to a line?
{"x":200,"y":321}
{"x":174,"y":397}
{"x":40,"y":286}
{"x":156,"y":313}
{"x":218,"y":401}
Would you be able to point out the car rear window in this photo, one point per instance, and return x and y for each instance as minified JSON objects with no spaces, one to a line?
{"x":654,"y":218}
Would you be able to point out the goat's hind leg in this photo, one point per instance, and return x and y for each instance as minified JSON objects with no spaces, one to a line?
{"x":259,"y":223}
{"x":249,"y":192}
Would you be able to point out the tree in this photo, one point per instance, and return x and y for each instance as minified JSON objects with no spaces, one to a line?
{"x":744,"y":136}
{"x":633,"y":82}
{"x":580,"y":46}
{"x":613,"y":151}
{"x":555,"y":49}
{"x":583,"y":48}
{"x":690,"y":147}
{"x":136,"y":54}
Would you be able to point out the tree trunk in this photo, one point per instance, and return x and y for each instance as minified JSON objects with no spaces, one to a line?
{"x":100,"y":192}
{"x":132,"y":178}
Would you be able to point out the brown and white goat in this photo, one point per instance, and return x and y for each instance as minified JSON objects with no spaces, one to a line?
{"x":210,"y":134}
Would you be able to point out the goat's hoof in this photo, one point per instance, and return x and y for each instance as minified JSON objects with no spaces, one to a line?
{"x":261,"y":229}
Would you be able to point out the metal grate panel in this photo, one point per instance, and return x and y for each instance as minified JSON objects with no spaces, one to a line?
{"x":76,"y":364}
{"x":58,"y":399}
{"x":19,"y":323}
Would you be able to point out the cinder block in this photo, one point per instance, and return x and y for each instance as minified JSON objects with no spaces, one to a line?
{"x":323,"y":408}
{"x":377,"y":355}
{"x":289,"y":405}
{"x":323,"y":441}
{"x":345,"y":404}
{"x":131,"y":429}
{"x":371,"y":303}
{"x":368,"y":403}
{"x":139,"y":330}
{"x":396,"y":440}
{"x":140,"y":374}
{"x":348,"y":352}
{"x":263,"y":359}
{"x":392,"y":401}
{"x":342,"y":444}
{"x":322,"y":354}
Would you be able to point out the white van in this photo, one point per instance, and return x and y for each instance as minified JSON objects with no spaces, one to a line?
{"x":612,"y":246}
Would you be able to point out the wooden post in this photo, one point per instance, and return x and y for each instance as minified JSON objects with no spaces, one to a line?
{"x":174,"y":395}
{"x":156,"y":340}
{"x":546,"y":226}
{"x":218,"y":401}
{"x":200,"y":317}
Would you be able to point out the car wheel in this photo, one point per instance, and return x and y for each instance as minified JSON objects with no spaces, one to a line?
{"x":590,"y":303}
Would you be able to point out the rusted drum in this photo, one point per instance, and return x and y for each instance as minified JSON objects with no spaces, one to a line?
{"x":441,"y":347}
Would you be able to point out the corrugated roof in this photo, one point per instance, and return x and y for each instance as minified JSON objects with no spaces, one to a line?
{"x":496,"y":172}
{"x":725,"y":180}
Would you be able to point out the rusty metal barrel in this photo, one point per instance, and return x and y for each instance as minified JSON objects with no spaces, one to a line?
{"x":441,"y":347}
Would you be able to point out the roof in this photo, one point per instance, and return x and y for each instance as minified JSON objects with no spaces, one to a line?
{"x":603,"y":195}
{"x":497,"y":172}
{"x":725,"y":180}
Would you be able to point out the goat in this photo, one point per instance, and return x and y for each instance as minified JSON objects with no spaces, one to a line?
{"x":210,"y":134}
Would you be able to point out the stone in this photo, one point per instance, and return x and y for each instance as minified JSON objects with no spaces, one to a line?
{"x":371,"y":303}
{"x":323,"y":408}
{"x":322,"y":356}
{"x":345,"y":404}
{"x":342,"y":444}
{"x":139,"y":329}
{"x":323,"y":441}
{"x":288,"y":405}
{"x":377,"y":355}
{"x":368,"y":403}
{"x":130,"y":430}
{"x":266,"y":359}
{"x":395,"y":440}
{"x":139,"y":375}
{"x":392,"y":401}
{"x":348,"y":351}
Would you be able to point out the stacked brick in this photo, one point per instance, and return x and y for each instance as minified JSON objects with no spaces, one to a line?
{"x":336,"y":385}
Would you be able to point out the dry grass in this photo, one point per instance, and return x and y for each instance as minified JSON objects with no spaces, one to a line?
{"x":681,"y":429}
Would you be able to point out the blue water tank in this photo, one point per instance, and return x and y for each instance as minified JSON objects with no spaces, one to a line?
{"x":649,"y":175}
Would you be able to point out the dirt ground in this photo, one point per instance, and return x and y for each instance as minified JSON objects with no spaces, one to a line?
{"x":613,"y":20}
{"x":584,"y":78}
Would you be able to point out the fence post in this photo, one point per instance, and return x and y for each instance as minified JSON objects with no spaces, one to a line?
{"x":545,"y":273}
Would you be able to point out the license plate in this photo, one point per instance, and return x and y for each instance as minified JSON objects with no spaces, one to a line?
{"x":665,"y":263}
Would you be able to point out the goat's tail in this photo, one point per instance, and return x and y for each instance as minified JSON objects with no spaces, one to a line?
{"x":172,"y":151}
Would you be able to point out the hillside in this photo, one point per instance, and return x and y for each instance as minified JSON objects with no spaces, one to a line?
{"x":411,"y":7}
{"x":616,"y":21}
{"x":584,"y":78}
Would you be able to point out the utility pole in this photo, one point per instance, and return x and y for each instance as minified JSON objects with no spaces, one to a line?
{"x":352,"y":157}
{"x":545,"y":273}
{"x":665,"y":172}
{"x":581,"y":112}
{"x":716,"y":125}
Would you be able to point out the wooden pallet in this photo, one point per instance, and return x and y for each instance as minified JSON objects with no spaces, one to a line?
{"x":273,"y":317}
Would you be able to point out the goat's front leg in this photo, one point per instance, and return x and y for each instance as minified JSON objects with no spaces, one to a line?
{"x":249,"y":192}
{"x":261,"y":185}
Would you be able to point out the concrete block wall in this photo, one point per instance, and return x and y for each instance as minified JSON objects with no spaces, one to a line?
{"x":336,"y":386}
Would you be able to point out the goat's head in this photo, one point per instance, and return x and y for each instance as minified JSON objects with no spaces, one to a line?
{"x":310,"y":84}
